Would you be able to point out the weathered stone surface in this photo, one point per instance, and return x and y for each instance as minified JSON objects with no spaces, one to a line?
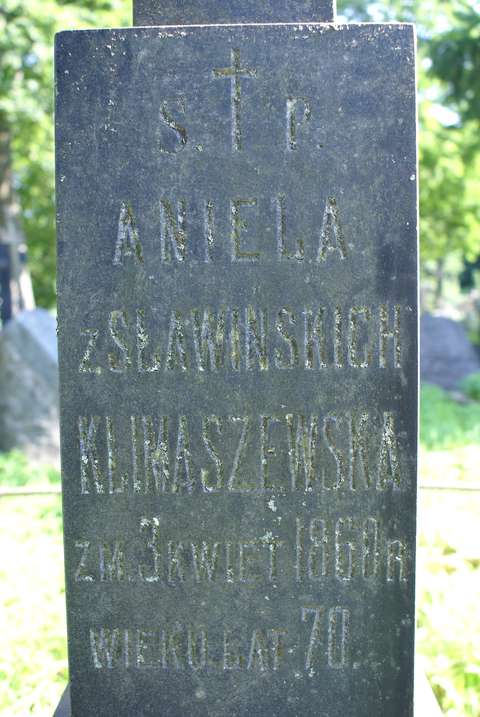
{"x":208,"y":12}
{"x":425,"y":703}
{"x":29,"y":419}
{"x":447,"y":356}
{"x":238,"y":335}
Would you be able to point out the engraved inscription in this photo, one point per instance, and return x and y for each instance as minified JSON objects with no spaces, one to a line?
{"x":128,"y":241}
{"x":181,"y":648}
{"x":239,"y":452}
{"x":249,"y":338}
{"x":331,"y":235}
{"x":349,"y":452}
{"x":284,"y":252}
{"x":239,"y":226}
{"x":173,"y":231}
{"x":209,"y":230}
{"x":299,"y":112}
{"x":349,"y":549}
{"x":263,"y":229}
{"x":235,"y":73}
{"x":174,"y":138}
{"x":329,"y":637}
{"x":344,"y":551}
{"x":85,"y":363}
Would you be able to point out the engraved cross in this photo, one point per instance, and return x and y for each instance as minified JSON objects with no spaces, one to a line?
{"x":235,"y":73}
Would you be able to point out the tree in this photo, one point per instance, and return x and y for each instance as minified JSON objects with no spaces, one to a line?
{"x":449,"y":207}
{"x":27,"y":29}
{"x":449,"y":95}
{"x":449,"y":73}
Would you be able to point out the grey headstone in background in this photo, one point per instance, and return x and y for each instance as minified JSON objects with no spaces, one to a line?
{"x":238,"y":353}
{"x":192,"y":12}
{"x":447,"y":356}
{"x":29,"y":419}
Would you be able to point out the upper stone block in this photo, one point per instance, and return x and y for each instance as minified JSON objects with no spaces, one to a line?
{"x":213,"y":12}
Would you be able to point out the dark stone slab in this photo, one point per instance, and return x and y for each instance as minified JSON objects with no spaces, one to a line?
{"x":447,"y":355}
{"x":191,"y":12}
{"x":64,"y":708}
{"x":425,"y":700}
{"x":238,"y":353}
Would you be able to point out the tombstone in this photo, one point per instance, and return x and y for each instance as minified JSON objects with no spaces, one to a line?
{"x":447,"y":356}
{"x":29,"y":416}
{"x":237,"y":296}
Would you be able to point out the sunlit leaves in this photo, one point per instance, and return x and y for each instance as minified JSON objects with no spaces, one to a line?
{"x":27,"y":29}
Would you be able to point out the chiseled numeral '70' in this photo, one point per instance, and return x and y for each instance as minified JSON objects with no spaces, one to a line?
{"x":335,"y":635}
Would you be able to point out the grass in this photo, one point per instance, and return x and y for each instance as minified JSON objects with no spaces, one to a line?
{"x":447,"y":425}
{"x":448,"y":597}
{"x":448,"y":578}
{"x":16,"y":471}
{"x":33,"y":667}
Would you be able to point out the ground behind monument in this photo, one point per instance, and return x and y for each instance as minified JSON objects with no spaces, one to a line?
{"x":33,"y":666}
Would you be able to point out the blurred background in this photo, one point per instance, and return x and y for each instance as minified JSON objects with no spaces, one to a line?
{"x":33,"y":667}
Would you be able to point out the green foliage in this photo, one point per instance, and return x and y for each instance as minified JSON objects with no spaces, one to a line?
{"x":449,"y":81}
{"x":27,"y":29}
{"x":430,"y":16}
{"x":448,"y":617}
{"x":449,"y":188}
{"x":448,"y":572}
{"x":16,"y":471}
{"x":455,"y":58}
{"x":446,"y":424}
{"x":33,"y":659}
{"x":471,"y":386}
{"x":450,"y":155}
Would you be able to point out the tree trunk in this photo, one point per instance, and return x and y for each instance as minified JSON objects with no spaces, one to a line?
{"x":439,"y":281}
{"x":18,"y":285}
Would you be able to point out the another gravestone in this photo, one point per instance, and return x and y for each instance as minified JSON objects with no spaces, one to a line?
{"x":238,"y":355}
{"x":29,"y":419}
{"x":447,"y":356}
